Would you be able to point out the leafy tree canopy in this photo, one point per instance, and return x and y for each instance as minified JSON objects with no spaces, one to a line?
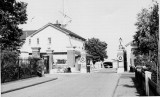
{"x":12,"y":13}
{"x":146,"y":36}
{"x":96,"y":48}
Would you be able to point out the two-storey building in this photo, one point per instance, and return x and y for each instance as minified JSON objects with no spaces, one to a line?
{"x":66,"y":45}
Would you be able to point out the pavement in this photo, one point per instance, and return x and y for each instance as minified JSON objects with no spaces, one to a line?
{"x":24,"y":83}
{"x":125,"y":83}
{"x":127,"y":86}
{"x":21,"y":84}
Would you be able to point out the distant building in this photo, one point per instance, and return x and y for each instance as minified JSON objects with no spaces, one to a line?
{"x":64,"y":43}
{"x":130,"y":47}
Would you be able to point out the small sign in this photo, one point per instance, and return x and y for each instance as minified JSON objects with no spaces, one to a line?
{"x":82,"y":59}
{"x":120,"y":58}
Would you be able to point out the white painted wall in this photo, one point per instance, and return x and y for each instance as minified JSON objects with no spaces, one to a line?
{"x":77,"y":43}
{"x":24,"y":55}
{"x":26,"y":47}
{"x":130,"y":56}
{"x":59,"y":41}
{"x":115,"y":64}
{"x":128,"y":49}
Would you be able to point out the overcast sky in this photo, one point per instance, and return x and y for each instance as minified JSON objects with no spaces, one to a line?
{"x":107,"y":20}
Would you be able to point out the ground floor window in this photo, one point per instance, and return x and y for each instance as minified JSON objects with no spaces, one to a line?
{"x":61,"y":61}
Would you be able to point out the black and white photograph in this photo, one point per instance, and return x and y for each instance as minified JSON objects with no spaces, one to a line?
{"x":79,"y":48}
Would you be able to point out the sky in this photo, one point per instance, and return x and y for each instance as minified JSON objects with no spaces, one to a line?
{"x":107,"y":20}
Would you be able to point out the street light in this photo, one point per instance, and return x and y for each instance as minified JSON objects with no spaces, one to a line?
{"x":0,"y":55}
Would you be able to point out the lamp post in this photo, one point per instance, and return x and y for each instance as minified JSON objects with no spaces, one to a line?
{"x":0,"y":55}
{"x":0,"y":49}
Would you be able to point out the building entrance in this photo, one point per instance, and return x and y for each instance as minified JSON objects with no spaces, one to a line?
{"x":46,"y":63}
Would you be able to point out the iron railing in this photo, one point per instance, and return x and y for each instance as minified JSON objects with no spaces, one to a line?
{"x":20,"y":69}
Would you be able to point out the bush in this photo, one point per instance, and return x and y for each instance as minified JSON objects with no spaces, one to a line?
{"x":9,"y":66}
{"x":14,"y":68}
{"x":33,"y":65}
{"x":154,"y":71}
{"x":40,"y":67}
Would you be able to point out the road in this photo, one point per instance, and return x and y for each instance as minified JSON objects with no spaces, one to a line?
{"x":99,"y":84}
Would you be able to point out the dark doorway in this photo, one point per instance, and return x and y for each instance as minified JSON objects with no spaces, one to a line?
{"x":88,"y":65}
{"x":108,"y":64}
{"x":125,"y":61}
{"x":46,"y":63}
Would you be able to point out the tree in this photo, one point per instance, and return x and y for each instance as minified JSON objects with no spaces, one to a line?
{"x":146,"y":36}
{"x":12,"y":14}
{"x":96,"y":48}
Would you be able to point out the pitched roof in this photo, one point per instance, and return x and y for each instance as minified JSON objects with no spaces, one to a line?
{"x":70,"y":32}
{"x":27,"y":33}
{"x":56,"y":26}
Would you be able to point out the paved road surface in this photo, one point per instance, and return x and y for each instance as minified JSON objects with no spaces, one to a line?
{"x":99,"y":84}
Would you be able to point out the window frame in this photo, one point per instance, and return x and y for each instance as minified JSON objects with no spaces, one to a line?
{"x":38,"y":41}
{"x":29,"y":41}
{"x":49,"y":40}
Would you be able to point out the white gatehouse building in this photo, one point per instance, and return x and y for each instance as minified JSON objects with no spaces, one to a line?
{"x":63,"y":46}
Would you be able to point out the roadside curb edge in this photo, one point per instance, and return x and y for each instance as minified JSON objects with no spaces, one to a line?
{"x":27,"y":86}
{"x":116,"y":86}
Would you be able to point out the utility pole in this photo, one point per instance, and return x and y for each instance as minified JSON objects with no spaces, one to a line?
{"x":158,"y":63}
{"x":0,"y":56}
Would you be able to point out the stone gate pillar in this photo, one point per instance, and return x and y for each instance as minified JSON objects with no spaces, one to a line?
{"x":71,"y":57}
{"x":120,"y":57}
{"x":36,"y":52}
{"x":83,"y":62}
{"x":50,"y":54}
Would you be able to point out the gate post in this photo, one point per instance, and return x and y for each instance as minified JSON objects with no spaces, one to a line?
{"x":71,"y":58}
{"x":121,"y":55}
{"x":50,"y":54}
{"x":83,"y":62}
{"x":147,"y":77}
{"x":36,"y":52}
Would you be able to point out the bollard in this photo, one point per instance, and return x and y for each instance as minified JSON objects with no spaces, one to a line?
{"x":147,"y":77}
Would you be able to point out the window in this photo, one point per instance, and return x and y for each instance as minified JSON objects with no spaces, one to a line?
{"x":37,"y":40}
{"x":29,"y":41}
{"x":61,"y":61}
{"x":49,"y":40}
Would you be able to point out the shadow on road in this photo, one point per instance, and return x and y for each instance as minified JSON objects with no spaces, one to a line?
{"x":139,"y":89}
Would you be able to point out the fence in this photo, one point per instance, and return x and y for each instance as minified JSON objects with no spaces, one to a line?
{"x":19,"y":69}
{"x":144,"y":80}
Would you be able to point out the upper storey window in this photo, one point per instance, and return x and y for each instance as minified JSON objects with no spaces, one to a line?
{"x":37,"y":40}
{"x":49,"y":40}
{"x":29,"y":41}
